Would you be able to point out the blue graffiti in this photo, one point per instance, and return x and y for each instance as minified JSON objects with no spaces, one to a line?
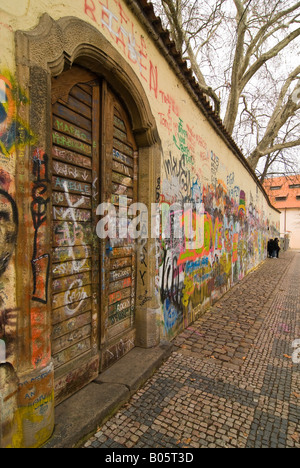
{"x":171,"y":315}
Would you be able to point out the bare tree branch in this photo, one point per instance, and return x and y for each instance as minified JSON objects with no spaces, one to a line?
{"x":241,"y":49}
{"x":267,"y":56}
{"x":241,"y":74}
{"x":181,"y":38}
{"x":279,"y":147}
{"x":281,"y":114}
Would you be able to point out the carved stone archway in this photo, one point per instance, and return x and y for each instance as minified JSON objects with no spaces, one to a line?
{"x":54,"y":46}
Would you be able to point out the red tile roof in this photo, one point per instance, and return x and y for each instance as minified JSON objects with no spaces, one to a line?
{"x":284,"y":192}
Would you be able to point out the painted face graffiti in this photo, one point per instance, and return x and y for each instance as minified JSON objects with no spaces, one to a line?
{"x":8,"y":237}
{"x":8,"y":229}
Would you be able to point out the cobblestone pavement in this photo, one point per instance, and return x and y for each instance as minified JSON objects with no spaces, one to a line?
{"x":231,"y":380}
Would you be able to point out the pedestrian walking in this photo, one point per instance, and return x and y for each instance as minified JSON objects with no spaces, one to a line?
{"x":276,"y":248}
{"x":270,"y":248}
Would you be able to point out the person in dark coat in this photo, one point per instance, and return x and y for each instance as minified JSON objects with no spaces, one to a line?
{"x":276,"y":248}
{"x":270,"y":248}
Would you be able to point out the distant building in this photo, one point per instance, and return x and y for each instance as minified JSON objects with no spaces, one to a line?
{"x":284,"y":194}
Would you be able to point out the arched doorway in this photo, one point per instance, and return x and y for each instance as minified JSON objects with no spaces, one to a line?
{"x":94,"y":160}
{"x":106,"y":82}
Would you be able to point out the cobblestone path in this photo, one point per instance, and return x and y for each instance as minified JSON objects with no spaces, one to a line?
{"x":231,"y":380}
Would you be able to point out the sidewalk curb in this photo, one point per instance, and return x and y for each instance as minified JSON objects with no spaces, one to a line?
{"x":80,"y":415}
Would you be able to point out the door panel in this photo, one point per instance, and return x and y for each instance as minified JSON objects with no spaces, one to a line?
{"x":121,"y":157}
{"x":94,"y":159}
{"x":75,"y":253}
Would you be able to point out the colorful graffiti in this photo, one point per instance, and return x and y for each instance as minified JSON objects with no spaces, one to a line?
{"x":29,"y":400}
{"x":13,"y":132}
{"x":235,"y":228}
{"x":233,"y":241}
{"x":114,"y":20}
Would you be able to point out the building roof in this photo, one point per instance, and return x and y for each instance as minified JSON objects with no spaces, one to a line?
{"x":284,"y":192}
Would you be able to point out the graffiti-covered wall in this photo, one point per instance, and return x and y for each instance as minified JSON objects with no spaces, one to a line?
{"x":214,"y":218}
{"x":236,"y":227}
{"x":25,"y":399}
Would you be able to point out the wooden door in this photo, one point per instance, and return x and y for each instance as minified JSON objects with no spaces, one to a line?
{"x":94,"y":160}
{"x":120,"y":166}
{"x":75,"y":255}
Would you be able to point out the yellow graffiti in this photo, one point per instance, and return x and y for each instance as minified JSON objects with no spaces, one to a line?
{"x":226,"y":264}
{"x":31,"y":417}
{"x":14,"y":133}
{"x":189,"y":288}
{"x":212,"y":240}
